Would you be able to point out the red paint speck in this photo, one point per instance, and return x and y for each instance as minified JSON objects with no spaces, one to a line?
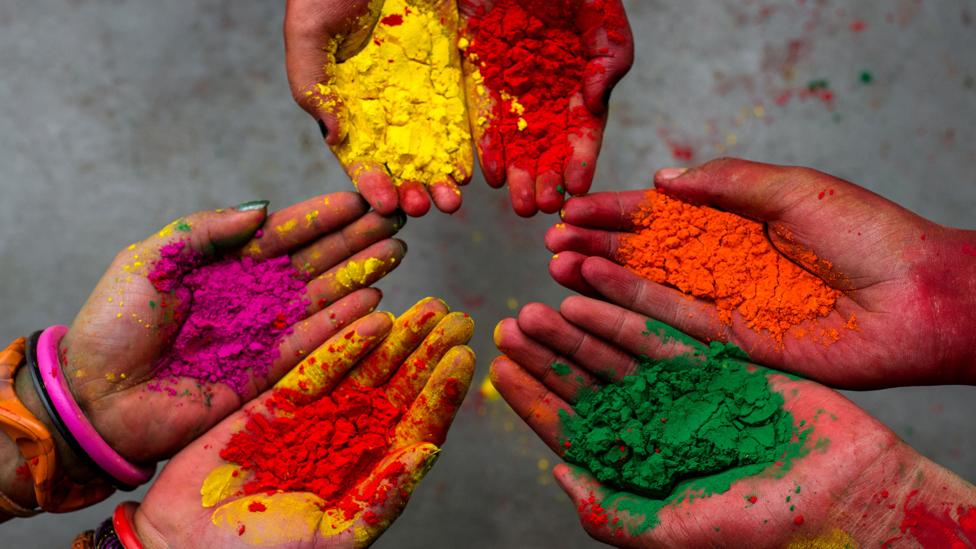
{"x":240,"y":531}
{"x":682,"y":152}
{"x":858,"y":26}
{"x":753,"y":499}
{"x":798,"y":520}
{"x":256,"y":507}
{"x":394,"y":20}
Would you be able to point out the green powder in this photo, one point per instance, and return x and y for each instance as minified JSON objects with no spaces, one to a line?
{"x":681,"y":428}
{"x":561,"y":369}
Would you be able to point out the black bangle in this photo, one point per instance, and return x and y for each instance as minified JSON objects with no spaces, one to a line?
{"x":30,"y":354}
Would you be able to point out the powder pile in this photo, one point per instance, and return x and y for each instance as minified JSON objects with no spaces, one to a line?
{"x":724,"y":258}
{"x":404,"y":98}
{"x":699,"y":421}
{"x":230,"y":314}
{"x":529,"y":55}
{"x":325,"y":446}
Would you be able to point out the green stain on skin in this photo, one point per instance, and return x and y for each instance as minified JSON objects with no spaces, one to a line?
{"x":682,"y":428}
{"x":561,"y":369}
{"x":559,"y":189}
{"x":787,"y":499}
{"x":797,"y":488}
{"x":182,"y":225}
{"x":152,"y":304}
{"x":583,"y":163}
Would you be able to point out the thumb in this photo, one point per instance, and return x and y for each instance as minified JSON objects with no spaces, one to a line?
{"x":209,"y":232}
{"x":387,"y":490}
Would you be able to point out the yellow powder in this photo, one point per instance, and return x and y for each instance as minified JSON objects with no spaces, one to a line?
{"x":834,"y":539}
{"x":403,"y":96}
{"x":355,"y":273}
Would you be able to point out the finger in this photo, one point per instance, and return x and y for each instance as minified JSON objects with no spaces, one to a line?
{"x":414,"y":199}
{"x":589,"y":497}
{"x":329,"y":250}
{"x":563,"y":237}
{"x":608,"y":41}
{"x":581,"y":164}
{"x":446,"y":196}
{"x":558,"y":373}
{"x":312,"y":332}
{"x":430,"y":416}
{"x":359,"y":271}
{"x":532,"y":401}
{"x":693,"y":316}
{"x":408,"y":332}
{"x":208,"y":232}
{"x":300,"y":224}
{"x":521,"y":189}
{"x":490,"y":144}
{"x":384,"y":494}
{"x":610,"y":211}
{"x":326,"y":365}
{"x":548,"y":327}
{"x":549,"y":192}
{"x":409,"y":379}
{"x":376,"y":186}
{"x":632,"y":333}
{"x":565,"y":269}
{"x":491,"y":155}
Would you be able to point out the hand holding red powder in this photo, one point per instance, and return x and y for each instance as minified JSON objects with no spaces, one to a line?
{"x":845,"y":481}
{"x":863,"y":294}
{"x":329,"y":457}
{"x":538,"y":75}
{"x":159,"y":353}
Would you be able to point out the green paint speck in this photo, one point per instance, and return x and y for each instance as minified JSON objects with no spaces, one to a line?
{"x":559,"y":189}
{"x":183,"y":226}
{"x":584,"y":163}
{"x":866,"y":77}
{"x":792,"y":507}
{"x":819,"y":84}
{"x":797,"y":488}
{"x":787,"y":498}
{"x":560,"y":369}
{"x":152,"y":304}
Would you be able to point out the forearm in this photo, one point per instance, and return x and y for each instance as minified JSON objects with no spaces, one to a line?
{"x":906,"y":499}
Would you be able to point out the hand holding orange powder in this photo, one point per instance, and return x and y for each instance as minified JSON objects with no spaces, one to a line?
{"x":818,"y":276}
{"x":383,"y":79}
{"x":330,"y":455}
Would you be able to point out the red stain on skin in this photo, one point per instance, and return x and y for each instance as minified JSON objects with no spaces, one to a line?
{"x":753,"y":499}
{"x":256,"y":507}
{"x":969,"y":249}
{"x":937,"y":530}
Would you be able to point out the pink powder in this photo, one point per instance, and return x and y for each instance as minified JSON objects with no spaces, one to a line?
{"x":236,"y":312}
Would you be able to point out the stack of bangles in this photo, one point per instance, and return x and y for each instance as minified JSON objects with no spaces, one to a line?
{"x":53,"y":490}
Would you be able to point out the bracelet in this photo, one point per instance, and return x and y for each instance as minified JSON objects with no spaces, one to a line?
{"x":122,"y":522}
{"x":57,"y":493}
{"x":74,"y":419}
{"x":32,"y":438}
{"x":115,"y":532}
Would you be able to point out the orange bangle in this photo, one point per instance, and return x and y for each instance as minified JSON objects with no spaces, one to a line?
{"x":54,"y":493}
{"x":122,"y":523}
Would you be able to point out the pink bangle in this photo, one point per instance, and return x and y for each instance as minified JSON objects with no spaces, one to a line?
{"x":75,"y":420}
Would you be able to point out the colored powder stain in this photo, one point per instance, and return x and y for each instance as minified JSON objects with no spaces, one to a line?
{"x":561,"y":369}
{"x":936,"y":530}
{"x":182,"y":226}
{"x":403,"y":96}
{"x":229,"y":315}
{"x":681,"y":428}
{"x":529,"y":57}
{"x":488,"y":391}
{"x":858,"y":26}
{"x":834,"y":539}
{"x":325,"y":446}
{"x":866,"y":77}
{"x":724,"y":258}
{"x":682,"y":152}
{"x":256,"y":507}
{"x":357,"y":273}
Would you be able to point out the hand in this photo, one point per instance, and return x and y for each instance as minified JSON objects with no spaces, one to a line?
{"x":122,"y":330}
{"x":853,"y":483}
{"x":909,"y":282}
{"x":320,"y":37}
{"x":421,"y":361}
{"x":544,"y":158}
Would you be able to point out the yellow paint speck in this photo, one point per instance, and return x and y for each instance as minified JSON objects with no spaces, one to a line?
{"x":286,"y":226}
{"x":511,"y":303}
{"x":488,"y":391}
{"x":543,"y":464}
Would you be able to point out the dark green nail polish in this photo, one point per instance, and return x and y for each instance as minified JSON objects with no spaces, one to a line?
{"x":252,"y":205}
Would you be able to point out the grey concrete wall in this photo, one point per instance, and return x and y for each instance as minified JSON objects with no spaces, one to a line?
{"x":118,"y":115}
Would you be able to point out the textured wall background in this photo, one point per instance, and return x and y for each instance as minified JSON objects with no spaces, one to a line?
{"x":119,"y":115}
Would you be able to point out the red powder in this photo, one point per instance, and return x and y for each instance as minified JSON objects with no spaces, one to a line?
{"x":932,"y":530}
{"x":256,"y":507}
{"x":592,"y":513}
{"x":394,"y":20}
{"x":325,"y":446}
{"x":753,"y":499}
{"x":532,"y":52}
{"x":798,"y":520}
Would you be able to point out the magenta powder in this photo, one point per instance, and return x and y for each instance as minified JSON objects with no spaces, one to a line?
{"x":234,"y":314}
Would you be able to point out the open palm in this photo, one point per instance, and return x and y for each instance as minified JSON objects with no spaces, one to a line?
{"x":423,"y":366}
{"x":847,"y":460}
{"x":127,"y":324}
{"x":902,"y":277}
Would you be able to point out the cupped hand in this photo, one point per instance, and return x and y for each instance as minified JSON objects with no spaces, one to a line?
{"x":127,"y":324}
{"x":421,"y":364}
{"x":846,"y":485}
{"x":320,"y":36}
{"x":538,"y":167}
{"x":908,"y":282}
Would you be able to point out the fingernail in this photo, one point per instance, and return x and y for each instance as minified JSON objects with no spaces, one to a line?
{"x":323,"y":129}
{"x":252,"y":205}
{"x":399,"y":219}
{"x":668,"y":174}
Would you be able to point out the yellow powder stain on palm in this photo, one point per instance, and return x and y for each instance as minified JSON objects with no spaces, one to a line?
{"x":356,"y":273}
{"x":834,"y":539}
{"x":286,"y":226}
{"x":223,"y":482}
{"x":404,"y":106}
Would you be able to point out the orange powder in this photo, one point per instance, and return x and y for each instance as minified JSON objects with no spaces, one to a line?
{"x":724,"y":258}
